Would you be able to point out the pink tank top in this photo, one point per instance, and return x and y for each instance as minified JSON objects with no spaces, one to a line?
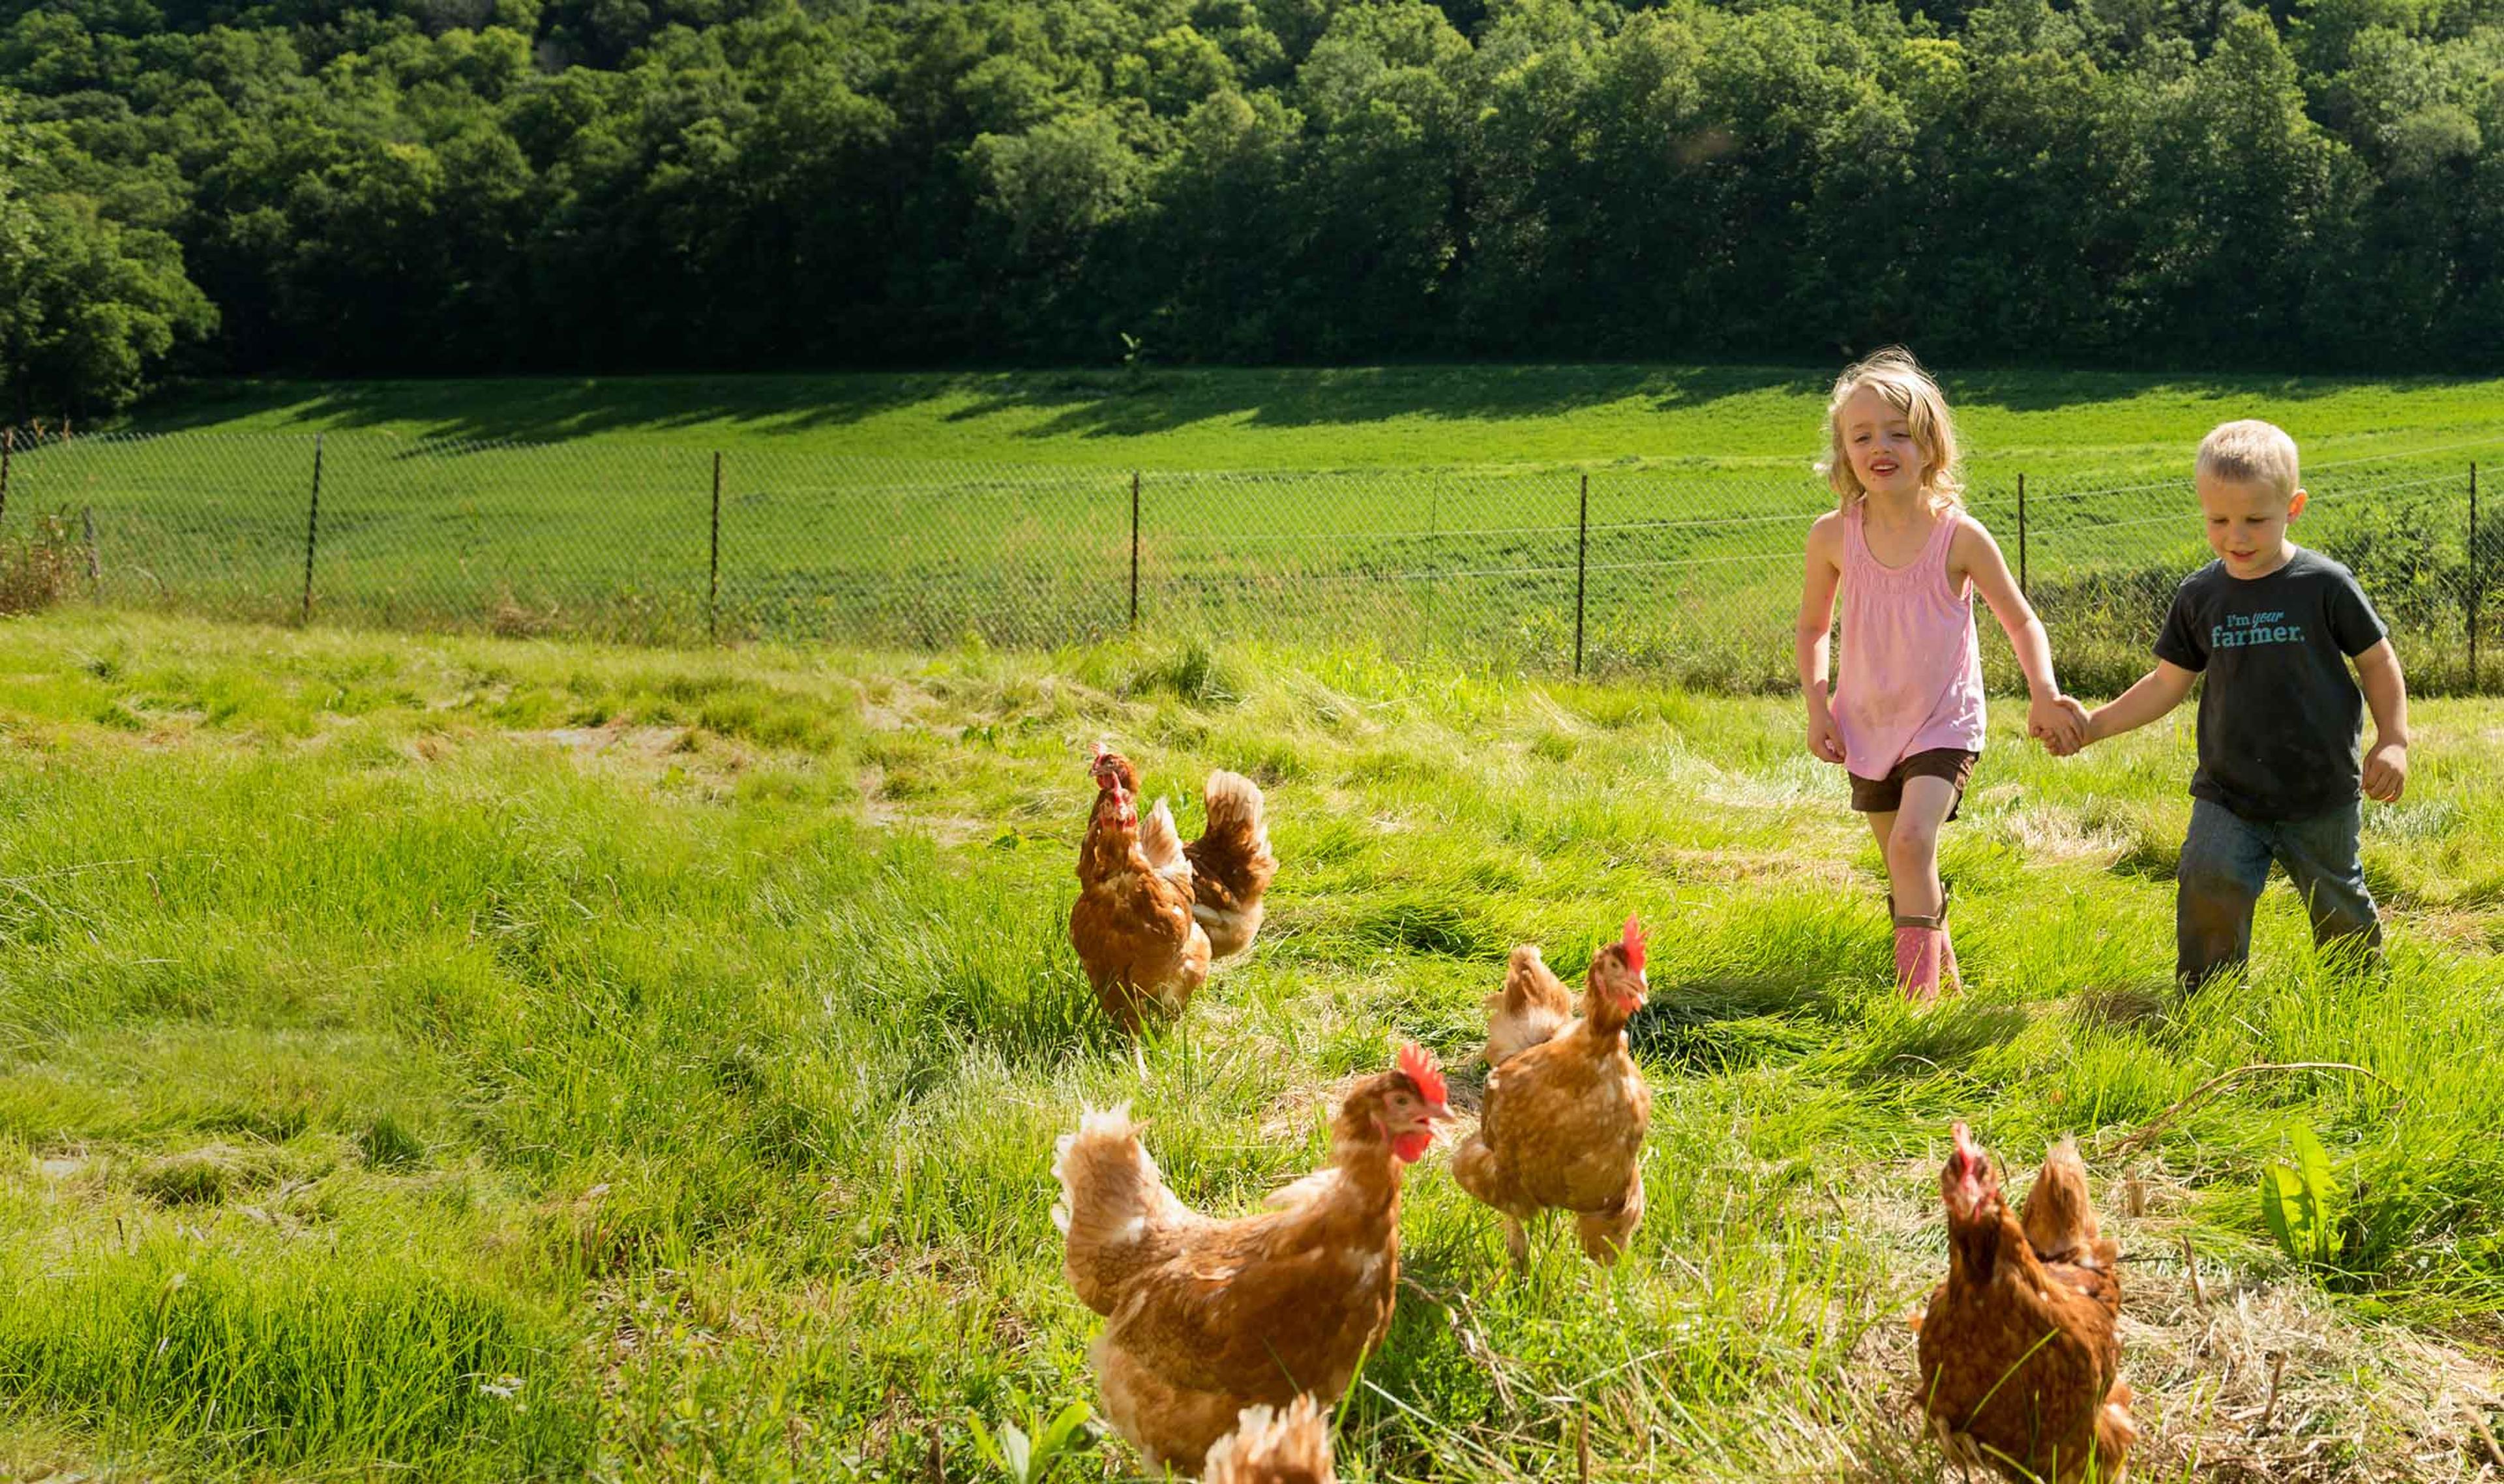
{"x":1911,"y":671}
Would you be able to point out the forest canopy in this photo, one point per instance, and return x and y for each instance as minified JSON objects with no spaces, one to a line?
{"x":452,"y":186}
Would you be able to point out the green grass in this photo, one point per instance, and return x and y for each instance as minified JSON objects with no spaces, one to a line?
{"x":2054,"y":425}
{"x":508,"y":1059}
{"x":1499,"y":514}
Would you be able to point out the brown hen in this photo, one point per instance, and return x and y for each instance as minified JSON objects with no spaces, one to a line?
{"x":2020,"y":1359}
{"x":1205,"y":1317}
{"x":1561,"y":1126}
{"x":1132,"y":923}
{"x":1228,"y":869}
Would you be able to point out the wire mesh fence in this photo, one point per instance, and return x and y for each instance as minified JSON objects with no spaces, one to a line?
{"x":1690,"y":573}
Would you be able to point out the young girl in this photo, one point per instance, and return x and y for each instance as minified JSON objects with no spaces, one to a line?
{"x":1906,"y":720}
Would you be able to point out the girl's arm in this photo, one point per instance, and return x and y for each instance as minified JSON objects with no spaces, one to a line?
{"x":1813,"y":633}
{"x":2387,"y":767}
{"x":1978,"y":555}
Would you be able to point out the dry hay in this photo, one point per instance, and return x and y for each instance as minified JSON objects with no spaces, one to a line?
{"x":2048,"y":833}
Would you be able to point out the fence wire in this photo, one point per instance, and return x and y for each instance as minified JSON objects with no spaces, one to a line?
{"x":1690,"y":573}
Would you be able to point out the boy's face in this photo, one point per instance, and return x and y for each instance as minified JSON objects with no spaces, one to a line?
{"x":1879,"y":439}
{"x":2246,"y":524}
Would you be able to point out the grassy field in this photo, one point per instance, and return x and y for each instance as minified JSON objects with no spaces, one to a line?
{"x":480,"y":1059}
{"x":1487,"y":512}
{"x":2055,"y":425}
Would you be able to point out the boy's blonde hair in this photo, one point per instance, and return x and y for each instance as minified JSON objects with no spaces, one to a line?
{"x":1893,"y":374}
{"x":2251,"y":452}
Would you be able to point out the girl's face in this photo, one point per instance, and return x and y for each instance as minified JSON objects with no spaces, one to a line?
{"x":1878,"y":438}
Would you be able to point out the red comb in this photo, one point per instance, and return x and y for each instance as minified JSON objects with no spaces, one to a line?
{"x":1101,"y":750}
{"x":1633,"y":942}
{"x":1418,"y":1064}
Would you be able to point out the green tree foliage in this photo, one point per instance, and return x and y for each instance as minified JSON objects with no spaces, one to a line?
{"x":450,"y":186}
{"x":90,"y":301}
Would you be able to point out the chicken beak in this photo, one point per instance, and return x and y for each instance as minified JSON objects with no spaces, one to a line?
{"x":1441,"y":1113}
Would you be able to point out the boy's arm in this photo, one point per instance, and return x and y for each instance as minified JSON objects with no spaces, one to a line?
{"x":2387,"y":695}
{"x":2157,"y":692}
{"x":2046,"y":717}
{"x":1813,"y":633}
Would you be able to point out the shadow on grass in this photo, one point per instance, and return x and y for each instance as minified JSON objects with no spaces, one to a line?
{"x":2019,"y":390}
{"x":1710,"y":1027}
{"x":549,"y":409}
{"x":1081,"y":403}
{"x":2122,"y":1006}
{"x":1106,"y":403}
{"x":1946,"y":1036}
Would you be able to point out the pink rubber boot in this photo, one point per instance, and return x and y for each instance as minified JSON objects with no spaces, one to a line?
{"x":1918,"y":942}
{"x":1923,"y":954}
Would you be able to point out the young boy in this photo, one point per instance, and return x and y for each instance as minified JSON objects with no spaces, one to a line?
{"x":2272,"y":625}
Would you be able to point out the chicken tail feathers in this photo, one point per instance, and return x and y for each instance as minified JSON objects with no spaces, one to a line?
{"x":1234,"y":843}
{"x":1113,"y":1207}
{"x":1531,"y":1007}
{"x":1232,"y":864}
{"x":2059,"y":1221}
{"x":1268,"y":1447}
{"x":1233,"y":806}
{"x":1107,"y":1177}
{"x":1162,"y":845}
{"x":1527,"y":979}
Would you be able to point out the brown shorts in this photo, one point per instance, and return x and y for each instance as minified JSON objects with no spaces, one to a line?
{"x":1883,"y":796}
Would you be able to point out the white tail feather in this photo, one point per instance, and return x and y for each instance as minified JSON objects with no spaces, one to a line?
{"x":1290,"y":1443}
{"x":1162,"y":845}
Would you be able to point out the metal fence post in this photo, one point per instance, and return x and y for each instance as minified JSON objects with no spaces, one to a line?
{"x":2022,"y":588}
{"x":1581,"y":570}
{"x":312,"y":529}
{"x":1135,"y":549}
{"x":2477,"y":580}
{"x":1435,"y":561}
{"x":8,"y":446}
{"x":95,"y":564}
{"x":712,"y":583}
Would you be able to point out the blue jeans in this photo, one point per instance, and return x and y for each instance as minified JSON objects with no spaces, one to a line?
{"x":2225,"y":864}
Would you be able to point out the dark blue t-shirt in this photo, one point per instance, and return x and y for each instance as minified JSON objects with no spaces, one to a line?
{"x":2280,"y":715}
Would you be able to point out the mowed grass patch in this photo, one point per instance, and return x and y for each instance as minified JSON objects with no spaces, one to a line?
{"x":508,"y":1059}
{"x":2049,"y":423}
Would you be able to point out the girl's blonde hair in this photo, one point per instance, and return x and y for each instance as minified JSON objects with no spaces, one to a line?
{"x":1893,"y":374}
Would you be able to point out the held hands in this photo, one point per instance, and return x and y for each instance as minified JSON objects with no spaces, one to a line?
{"x":2386,"y":771}
{"x":2058,"y":723}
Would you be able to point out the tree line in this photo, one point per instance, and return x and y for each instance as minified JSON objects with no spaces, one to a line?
{"x":452,"y":186}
